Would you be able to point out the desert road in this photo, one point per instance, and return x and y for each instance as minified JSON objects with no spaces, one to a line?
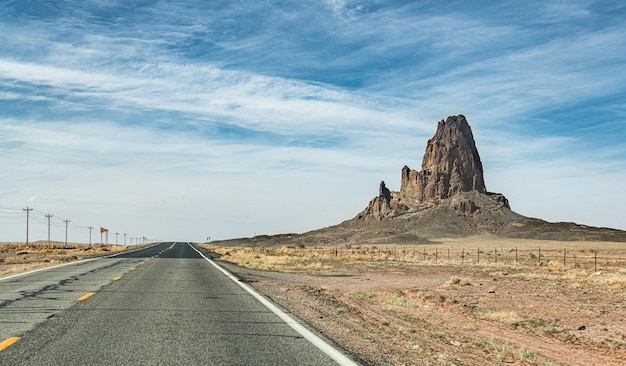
{"x":167,"y":304}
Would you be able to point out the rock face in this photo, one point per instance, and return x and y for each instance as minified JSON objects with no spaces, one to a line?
{"x":451,"y":164}
{"x":380,"y":206}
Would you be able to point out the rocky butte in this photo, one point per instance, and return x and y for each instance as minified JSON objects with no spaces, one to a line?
{"x":446,"y":198}
{"x":451,"y":165}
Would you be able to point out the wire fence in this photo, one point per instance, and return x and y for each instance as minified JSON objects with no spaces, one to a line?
{"x":561,"y":259}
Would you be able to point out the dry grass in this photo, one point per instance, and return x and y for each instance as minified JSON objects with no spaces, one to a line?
{"x":17,"y":257}
{"x":443,"y":308}
{"x":456,"y":281}
{"x":479,"y":251}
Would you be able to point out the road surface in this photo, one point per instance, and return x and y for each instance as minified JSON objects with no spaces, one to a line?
{"x":167,"y":304}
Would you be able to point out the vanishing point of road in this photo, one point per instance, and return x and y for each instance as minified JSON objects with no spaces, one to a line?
{"x":167,"y":304}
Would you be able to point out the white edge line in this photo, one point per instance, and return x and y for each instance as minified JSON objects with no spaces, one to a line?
{"x":20,"y":274}
{"x":329,"y":350}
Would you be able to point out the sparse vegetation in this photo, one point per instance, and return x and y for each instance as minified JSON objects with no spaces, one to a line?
{"x":509,"y":253}
{"x":441,"y":309}
{"x":455,"y":281}
{"x":16,"y":257}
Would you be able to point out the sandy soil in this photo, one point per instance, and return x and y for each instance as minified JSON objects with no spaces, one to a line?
{"x":396,"y":313}
{"x":17,"y":257}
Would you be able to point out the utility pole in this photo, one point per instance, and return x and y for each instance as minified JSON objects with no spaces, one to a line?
{"x":49,"y":216}
{"x":27,"y":211}
{"x":124,"y":238}
{"x":116,"y":234}
{"x":90,"y":228}
{"x":66,"y":221}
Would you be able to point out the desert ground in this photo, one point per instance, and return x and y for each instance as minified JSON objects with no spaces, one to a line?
{"x":501,"y":301}
{"x":17,"y":257}
{"x":395,"y":306}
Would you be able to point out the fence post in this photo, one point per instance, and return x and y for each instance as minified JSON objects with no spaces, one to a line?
{"x":495,"y":255}
{"x":515,"y":255}
{"x":564,"y":257}
{"x":463,"y":256}
{"x":436,"y":254}
{"x":539,"y":254}
{"x":595,"y":261}
{"x":478,"y":256}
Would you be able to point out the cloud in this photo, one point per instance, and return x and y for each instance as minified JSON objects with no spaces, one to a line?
{"x":106,"y":174}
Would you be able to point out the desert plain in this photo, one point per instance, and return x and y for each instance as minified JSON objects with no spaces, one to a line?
{"x":393,"y":305}
{"x":501,"y":302}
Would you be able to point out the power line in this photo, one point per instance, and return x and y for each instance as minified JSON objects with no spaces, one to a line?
{"x":9,"y":208}
{"x":8,"y":213}
{"x":37,"y":219}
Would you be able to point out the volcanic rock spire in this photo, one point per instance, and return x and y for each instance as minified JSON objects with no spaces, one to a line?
{"x":451,"y":164}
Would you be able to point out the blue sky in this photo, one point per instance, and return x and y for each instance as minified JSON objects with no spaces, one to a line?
{"x":180,"y":120}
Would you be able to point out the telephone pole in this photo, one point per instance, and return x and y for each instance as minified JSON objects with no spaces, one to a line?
{"x":66,"y":221}
{"x":90,"y":228}
{"x":27,"y":211}
{"x":49,"y":216}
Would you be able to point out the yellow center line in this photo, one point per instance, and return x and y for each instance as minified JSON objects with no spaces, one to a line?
{"x":140,"y":263}
{"x":9,"y":341}
{"x":116,"y":278}
{"x":86,"y":296}
{"x":132,"y":269}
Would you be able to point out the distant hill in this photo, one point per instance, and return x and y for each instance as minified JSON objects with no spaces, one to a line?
{"x":446,"y":198}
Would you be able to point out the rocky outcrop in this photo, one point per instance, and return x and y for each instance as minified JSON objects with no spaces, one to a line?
{"x":447,"y":198}
{"x":451,"y":164}
{"x":385,"y":205}
{"x":384,"y":192}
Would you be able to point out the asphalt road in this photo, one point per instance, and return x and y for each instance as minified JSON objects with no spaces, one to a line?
{"x":163,"y":305}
